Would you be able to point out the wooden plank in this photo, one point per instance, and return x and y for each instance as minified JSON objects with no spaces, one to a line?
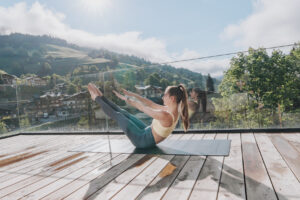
{"x":258,"y":184}
{"x":72,"y":141}
{"x":158,"y":187}
{"x":110,"y":145}
{"x":96,"y":178}
{"x":53,"y":184}
{"x":294,"y":139}
{"x":29,"y":167}
{"x":31,"y":140}
{"x":164,"y":179}
{"x":29,"y":157}
{"x":16,"y":164}
{"x":25,"y":143}
{"x":87,"y":145}
{"x":22,"y":180}
{"x":136,"y":186}
{"x":209,"y":136}
{"x":285,"y":183}
{"x":110,"y":189}
{"x":39,"y":144}
{"x":9,"y":142}
{"x":221,"y":136}
{"x":9,"y":139}
{"x":24,"y":167}
{"x":50,"y":147}
{"x":57,"y":181}
{"x":59,"y":173}
{"x":184,"y":182}
{"x":34,"y":156}
{"x":207,"y":184}
{"x":288,"y":152}
{"x":232,"y":184}
{"x":122,"y":180}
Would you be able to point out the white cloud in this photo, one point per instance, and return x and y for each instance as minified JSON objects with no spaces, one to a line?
{"x":94,"y":7}
{"x":39,"y":20}
{"x":215,"y":67}
{"x":273,"y":22}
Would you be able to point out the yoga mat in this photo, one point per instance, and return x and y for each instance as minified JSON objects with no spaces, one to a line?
{"x":171,"y":147}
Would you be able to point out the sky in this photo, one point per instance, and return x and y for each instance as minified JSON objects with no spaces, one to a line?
{"x":160,"y":30}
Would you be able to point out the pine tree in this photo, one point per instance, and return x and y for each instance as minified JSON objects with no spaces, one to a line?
{"x":209,"y":84}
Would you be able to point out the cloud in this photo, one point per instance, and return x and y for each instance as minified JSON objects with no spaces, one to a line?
{"x":273,"y":22}
{"x":94,"y":7}
{"x":39,"y":20}
{"x":214,"y":66}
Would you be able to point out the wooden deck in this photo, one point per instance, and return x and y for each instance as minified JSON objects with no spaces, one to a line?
{"x":260,"y":166}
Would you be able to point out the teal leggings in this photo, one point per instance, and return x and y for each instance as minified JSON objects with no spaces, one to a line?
{"x":138,"y":133}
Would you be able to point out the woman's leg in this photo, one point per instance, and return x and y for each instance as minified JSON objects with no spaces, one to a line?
{"x":138,"y":122}
{"x":136,"y":135}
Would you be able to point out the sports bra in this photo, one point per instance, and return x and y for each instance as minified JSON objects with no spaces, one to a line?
{"x":162,"y":130}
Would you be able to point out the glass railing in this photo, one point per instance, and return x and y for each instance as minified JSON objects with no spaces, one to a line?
{"x":63,"y":104}
{"x":9,"y":109}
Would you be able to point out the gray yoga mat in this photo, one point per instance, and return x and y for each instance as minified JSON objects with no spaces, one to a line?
{"x":171,"y":147}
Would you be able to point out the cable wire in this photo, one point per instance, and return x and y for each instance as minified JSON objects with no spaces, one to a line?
{"x":227,"y":54}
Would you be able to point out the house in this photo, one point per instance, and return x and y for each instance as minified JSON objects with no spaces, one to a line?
{"x":7,"y":78}
{"x":35,"y":81}
{"x":149,"y":91}
{"x":77,"y":102}
{"x":63,"y":112}
{"x":61,"y":87}
{"x":46,"y":104}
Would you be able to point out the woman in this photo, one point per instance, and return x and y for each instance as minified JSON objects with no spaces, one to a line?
{"x":165,"y":117}
{"x":198,"y":99}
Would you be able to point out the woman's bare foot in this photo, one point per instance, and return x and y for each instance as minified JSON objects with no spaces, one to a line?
{"x":94,"y":91}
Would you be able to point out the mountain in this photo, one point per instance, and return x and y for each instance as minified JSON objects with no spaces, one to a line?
{"x":45,"y":55}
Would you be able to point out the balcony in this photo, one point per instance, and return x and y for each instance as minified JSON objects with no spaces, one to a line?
{"x":259,"y":166}
{"x":39,"y":131}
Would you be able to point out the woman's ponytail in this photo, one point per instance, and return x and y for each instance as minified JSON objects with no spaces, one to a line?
{"x":182,"y":100}
{"x":184,"y":112}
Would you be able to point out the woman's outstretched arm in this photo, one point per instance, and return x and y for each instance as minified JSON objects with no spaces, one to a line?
{"x":158,"y":114}
{"x":145,"y":101}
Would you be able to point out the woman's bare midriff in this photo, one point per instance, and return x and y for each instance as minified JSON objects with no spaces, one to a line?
{"x":157,"y":137}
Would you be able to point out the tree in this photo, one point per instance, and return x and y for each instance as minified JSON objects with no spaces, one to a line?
{"x":210,"y":84}
{"x":272,"y":81}
{"x":114,"y":61}
{"x":78,"y":83}
{"x":164,"y":83}
{"x":153,"y":79}
{"x":294,"y":59}
{"x":24,"y":122}
{"x":129,"y":80}
{"x":83,"y":122}
{"x":3,"y":128}
{"x":45,"y":70}
{"x":52,"y":82}
{"x":140,"y":75}
{"x":283,"y":82}
{"x":93,"y":69}
{"x":71,"y":88}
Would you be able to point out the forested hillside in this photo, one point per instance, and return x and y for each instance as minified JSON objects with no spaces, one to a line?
{"x":46,"y":56}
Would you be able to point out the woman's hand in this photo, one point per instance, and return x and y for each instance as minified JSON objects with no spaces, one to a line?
{"x":119,"y":95}
{"x":94,"y":91}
